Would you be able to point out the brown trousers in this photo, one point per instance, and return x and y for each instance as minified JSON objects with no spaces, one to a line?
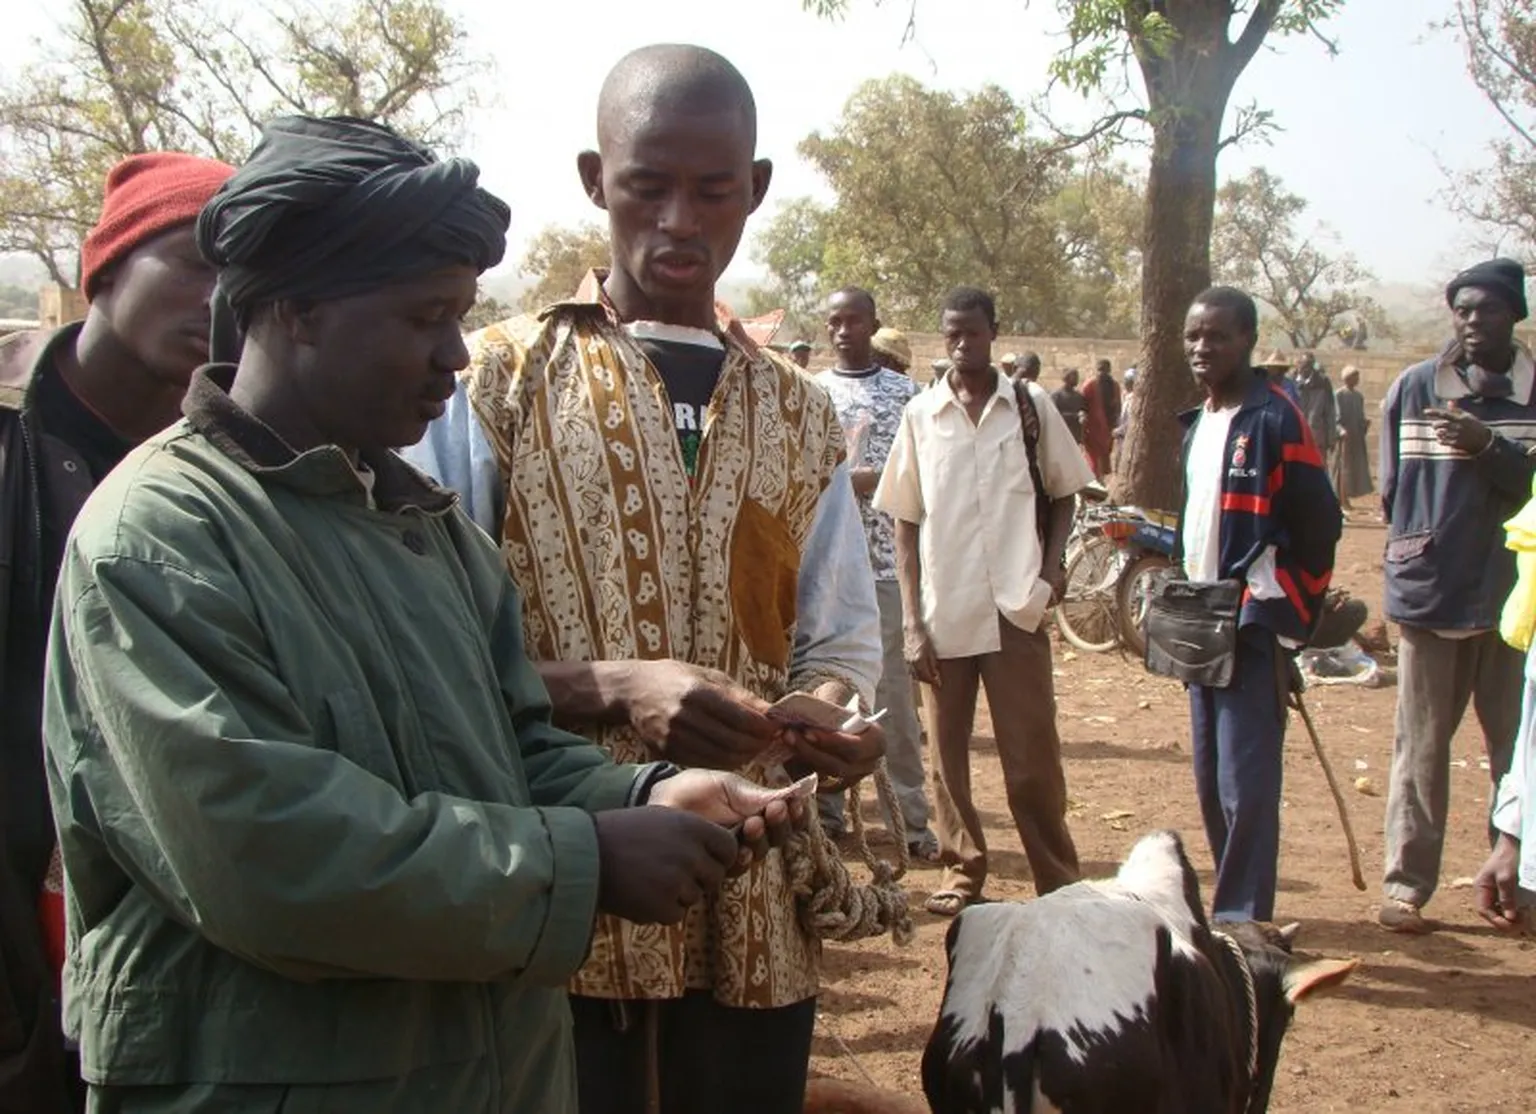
{"x":1021,"y":694}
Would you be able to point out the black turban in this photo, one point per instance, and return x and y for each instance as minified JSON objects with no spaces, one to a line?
{"x":328,"y":208}
{"x":1504,"y":277}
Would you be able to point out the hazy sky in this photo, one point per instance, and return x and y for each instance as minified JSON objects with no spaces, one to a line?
{"x":1364,"y":133}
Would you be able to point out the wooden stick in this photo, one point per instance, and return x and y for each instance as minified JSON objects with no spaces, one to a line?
{"x":1333,"y":787}
{"x":653,"y":1054}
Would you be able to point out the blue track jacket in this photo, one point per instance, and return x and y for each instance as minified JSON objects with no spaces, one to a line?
{"x":1275,"y":491}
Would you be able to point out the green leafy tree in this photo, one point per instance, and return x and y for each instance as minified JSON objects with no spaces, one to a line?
{"x":1098,"y":216}
{"x":558,"y":258}
{"x":792,"y":247}
{"x":934,"y":190}
{"x":1258,"y":247}
{"x":120,"y":77}
{"x":487,"y":310}
{"x":1500,"y":41}
{"x":1172,"y":68}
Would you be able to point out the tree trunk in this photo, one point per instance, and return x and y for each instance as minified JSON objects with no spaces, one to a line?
{"x":1188,"y":83}
{"x":1181,"y":201}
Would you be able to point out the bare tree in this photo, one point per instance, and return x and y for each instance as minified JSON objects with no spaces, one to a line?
{"x":1499,"y":37}
{"x":127,"y":76}
{"x":1257,"y":246}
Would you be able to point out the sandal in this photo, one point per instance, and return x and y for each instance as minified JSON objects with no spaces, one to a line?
{"x":946,"y":903}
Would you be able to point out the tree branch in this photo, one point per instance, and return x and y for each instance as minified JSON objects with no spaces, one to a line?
{"x":1260,"y":21}
{"x":1251,"y":121}
{"x":1480,"y":38}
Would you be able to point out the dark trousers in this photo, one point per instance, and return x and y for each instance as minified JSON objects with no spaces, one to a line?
{"x":712,"y":1058}
{"x":1021,"y":694}
{"x":1238,"y":735}
{"x":38,"y":1074}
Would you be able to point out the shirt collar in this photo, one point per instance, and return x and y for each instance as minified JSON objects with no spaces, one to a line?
{"x":947,"y":394}
{"x":323,"y":471}
{"x":1449,"y":383}
{"x":590,"y":298}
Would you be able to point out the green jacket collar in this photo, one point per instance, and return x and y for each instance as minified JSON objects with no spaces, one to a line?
{"x":323,"y":471}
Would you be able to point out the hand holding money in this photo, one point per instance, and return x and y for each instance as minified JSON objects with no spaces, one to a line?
{"x":761,"y":817}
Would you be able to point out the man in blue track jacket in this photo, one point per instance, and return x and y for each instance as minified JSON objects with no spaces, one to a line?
{"x":1258,"y":507}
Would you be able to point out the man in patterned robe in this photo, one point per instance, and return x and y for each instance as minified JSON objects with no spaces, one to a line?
{"x":674,"y":505}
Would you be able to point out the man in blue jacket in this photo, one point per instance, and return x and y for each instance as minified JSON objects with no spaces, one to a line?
{"x":1257,"y":507}
{"x":1454,"y":467}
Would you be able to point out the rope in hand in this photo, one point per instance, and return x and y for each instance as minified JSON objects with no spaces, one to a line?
{"x":831,"y":906}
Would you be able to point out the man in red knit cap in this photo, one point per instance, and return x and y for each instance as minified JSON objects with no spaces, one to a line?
{"x":73,"y":401}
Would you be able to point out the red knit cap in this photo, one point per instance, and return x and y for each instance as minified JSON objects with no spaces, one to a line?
{"x":146,"y":195}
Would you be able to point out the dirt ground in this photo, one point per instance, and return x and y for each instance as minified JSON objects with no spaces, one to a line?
{"x":1440,"y":1023}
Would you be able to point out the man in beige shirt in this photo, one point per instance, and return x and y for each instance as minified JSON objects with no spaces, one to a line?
{"x":979,"y":564}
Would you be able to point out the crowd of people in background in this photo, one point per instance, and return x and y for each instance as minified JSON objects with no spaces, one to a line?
{"x":266,"y":509}
{"x":1098,"y":413}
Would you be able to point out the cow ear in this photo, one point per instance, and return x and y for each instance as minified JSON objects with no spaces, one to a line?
{"x":1321,"y":974}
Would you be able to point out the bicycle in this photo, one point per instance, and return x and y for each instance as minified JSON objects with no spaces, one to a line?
{"x":1114,"y":559}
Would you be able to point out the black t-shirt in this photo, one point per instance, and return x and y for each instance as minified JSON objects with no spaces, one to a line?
{"x":689,"y":362}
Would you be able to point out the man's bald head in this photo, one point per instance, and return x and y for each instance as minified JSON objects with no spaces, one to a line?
{"x":676,"y":171}
{"x":671,"y":80}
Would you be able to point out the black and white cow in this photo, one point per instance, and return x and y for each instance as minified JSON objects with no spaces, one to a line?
{"x":1115,"y":996}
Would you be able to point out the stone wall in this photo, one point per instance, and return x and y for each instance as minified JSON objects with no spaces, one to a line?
{"x":59,"y":305}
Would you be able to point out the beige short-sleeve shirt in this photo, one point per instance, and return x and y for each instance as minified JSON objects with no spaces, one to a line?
{"x":968,"y":487}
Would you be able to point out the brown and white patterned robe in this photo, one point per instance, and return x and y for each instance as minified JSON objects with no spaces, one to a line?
{"x":618,"y":557}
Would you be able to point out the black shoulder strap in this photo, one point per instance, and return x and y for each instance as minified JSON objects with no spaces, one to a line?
{"x":1029,"y":424}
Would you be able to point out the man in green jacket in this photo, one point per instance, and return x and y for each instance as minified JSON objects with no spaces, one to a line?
{"x":323,"y":848}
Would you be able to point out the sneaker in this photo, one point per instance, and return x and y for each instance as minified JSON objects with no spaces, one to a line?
{"x":1402,"y":916}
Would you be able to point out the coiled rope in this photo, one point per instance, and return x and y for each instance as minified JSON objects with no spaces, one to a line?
{"x":830,"y":905}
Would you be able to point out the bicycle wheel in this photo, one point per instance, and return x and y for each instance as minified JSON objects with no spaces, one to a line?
{"x":1137,"y":583}
{"x":1086,"y":614}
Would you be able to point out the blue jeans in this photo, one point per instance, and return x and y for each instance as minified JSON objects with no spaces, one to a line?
{"x":1238,"y":736}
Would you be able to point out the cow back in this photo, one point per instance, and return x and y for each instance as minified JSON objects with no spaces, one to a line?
{"x":1099,"y":997}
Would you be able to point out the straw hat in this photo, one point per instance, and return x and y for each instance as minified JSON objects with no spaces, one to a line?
{"x":1276,"y":358}
{"x":892,"y":345}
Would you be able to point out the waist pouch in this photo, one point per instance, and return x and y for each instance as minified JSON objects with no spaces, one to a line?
{"x":1192,"y":631}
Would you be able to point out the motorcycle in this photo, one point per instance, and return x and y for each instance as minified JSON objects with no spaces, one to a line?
{"x":1148,"y":546}
{"x":1113,"y":559}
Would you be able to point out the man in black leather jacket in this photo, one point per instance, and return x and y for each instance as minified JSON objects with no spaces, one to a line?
{"x":73,"y":401}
